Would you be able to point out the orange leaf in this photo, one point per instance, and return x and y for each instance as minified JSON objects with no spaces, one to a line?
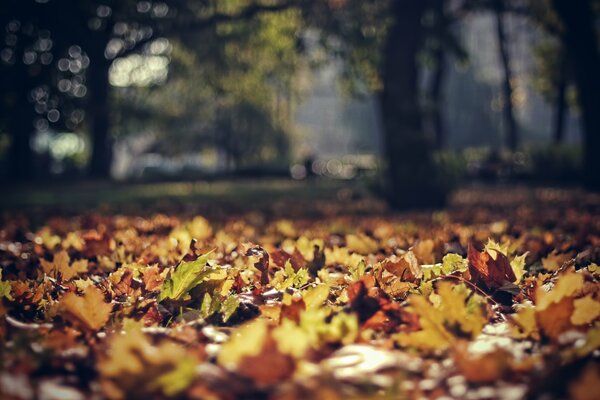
{"x":61,"y":265}
{"x":90,"y":310}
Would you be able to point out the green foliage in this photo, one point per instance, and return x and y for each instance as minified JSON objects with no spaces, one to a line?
{"x":185,"y":277}
{"x":216,"y":304}
{"x":450,"y":263}
{"x":289,"y":278}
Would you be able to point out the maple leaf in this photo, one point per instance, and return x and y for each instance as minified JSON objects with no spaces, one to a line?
{"x":448,"y":315}
{"x":567,"y":285}
{"x":586,"y":310}
{"x":451,"y":263}
{"x":494,"y":273}
{"x":153,"y":278}
{"x":253,"y":352}
{"x":61,"y":266}
{"x":287,"y":277}
{"x":134,"y":367}
{"x":555,"y":309}
{"x":90,"y":309}
{"x":523,"y":323}
{"x":186,"y":276}
{"x":554,"y":260}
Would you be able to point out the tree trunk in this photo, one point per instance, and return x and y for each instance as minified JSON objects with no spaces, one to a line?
{"x":560,"y":109}
{"x":98,"y":111}
{"x":437,"y":97}
{"x":21,"y":154}
{"x":439,"y":74}
{"x":408,"y":154}
{"x":21,"y":124}
{"x":582,"y":46}
{"x":511,"y":131}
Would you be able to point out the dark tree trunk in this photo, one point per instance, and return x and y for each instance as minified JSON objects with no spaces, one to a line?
{"x":21,"y":129}
{"x":582,"y":46}
{"x":439,"y":74}
{"x":408,"y":153}
{"x":560,"y":109}
{"x":437,"y":97}
{"x":99,"y":113}
{"x":511,"y":131}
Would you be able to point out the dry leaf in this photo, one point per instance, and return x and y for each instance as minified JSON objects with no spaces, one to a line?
{"x":90,"y":309}
{"x":61,"y":266}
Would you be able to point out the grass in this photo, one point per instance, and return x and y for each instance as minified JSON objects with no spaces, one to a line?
{"x":86,"y":194}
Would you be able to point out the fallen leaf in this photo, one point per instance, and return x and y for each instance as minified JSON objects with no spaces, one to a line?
{"x":61,"y":266}
{"x":90,"y":309}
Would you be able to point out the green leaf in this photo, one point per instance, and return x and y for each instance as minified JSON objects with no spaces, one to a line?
{"x":185,"y":277}
{"x":229,"y":306}
{"x":292,"y":278}
{"x":358,"y":271}
{"x":178,"y":379}
{"x":454,"y":263}
{"x":5,"y":288}
{"x":207,"y":307}
{"x":314,"y":297}
{"x":450,"y":263}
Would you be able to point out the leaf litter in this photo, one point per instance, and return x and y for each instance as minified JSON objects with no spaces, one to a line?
{"x":467,"y":303}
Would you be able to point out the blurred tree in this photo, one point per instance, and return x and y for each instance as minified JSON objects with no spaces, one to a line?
{"x":552,"y":81}
{"x":383,"y":43}
{"x":41,"y":74}
{"x":511,"y":129}
{"x":441,"y":44}
{"x":580,"y":37}
{"x":232,"y":94}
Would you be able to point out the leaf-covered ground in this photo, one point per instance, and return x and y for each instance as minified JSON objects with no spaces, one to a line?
{"x":496,"y":297}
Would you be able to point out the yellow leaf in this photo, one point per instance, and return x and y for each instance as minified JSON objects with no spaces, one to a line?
{"x":567,"y":285}
{"x":314,"y":297}
{"x":90,"y":310}
{"x":518,"y":266}
{"x":244,"y":342}
{"x":448,"y":311}
{"x":61,"y":265}
{"x":555,"y":260}
{"x":586,"y":310}
{"x":291,"y":339}
{"x":361,"y":244}
{"x":135,"y":367}
{"x":523,"y":323}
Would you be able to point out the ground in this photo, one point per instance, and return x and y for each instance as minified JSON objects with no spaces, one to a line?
{"x":282,"y":289}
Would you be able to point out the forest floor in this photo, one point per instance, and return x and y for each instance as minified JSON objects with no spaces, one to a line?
{"x":290,"y":290}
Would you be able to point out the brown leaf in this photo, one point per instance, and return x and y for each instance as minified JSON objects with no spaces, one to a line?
{"x":494,"y":274}
{"x":397,"y":275}
{"x":293,"y":310}
{"x":267,"y":367}
{"x":483,"y":368}
{"x":262,"y":264}
{"x":153,"y":278}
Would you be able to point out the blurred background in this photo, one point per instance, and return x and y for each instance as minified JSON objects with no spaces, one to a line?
{"x":412,"y":97}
